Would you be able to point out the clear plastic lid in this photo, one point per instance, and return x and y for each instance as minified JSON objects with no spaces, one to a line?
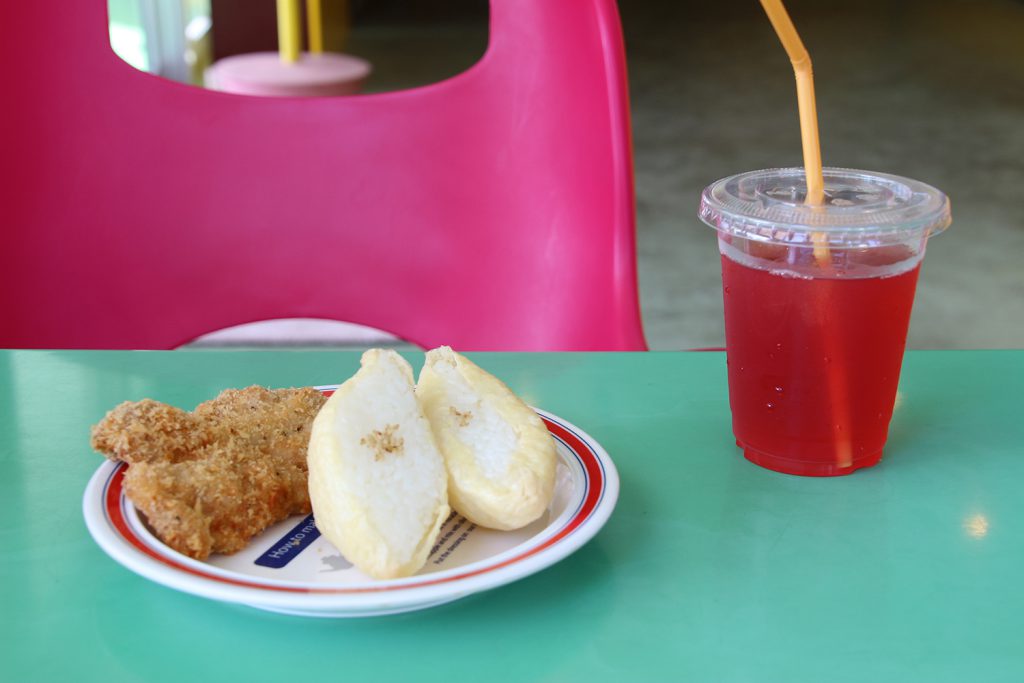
{"x":861,"y":208}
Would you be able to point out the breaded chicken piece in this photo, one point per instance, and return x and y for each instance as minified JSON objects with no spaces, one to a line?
{"x":149,"y":431}
{"x":210,"y":480}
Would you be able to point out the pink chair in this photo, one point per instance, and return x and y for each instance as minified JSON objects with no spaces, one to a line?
{"x":491,"y":211}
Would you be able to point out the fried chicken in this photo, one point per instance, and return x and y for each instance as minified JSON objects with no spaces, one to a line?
{"x":210,"y":480}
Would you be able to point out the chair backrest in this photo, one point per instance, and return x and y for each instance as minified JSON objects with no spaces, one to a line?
{"x":490,"y":211}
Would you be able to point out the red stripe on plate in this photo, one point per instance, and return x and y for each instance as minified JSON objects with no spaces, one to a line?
{"x":595,"y":489}
{"x":116,"y":515}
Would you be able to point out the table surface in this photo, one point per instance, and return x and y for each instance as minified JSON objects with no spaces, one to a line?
{"x":710,"y":569}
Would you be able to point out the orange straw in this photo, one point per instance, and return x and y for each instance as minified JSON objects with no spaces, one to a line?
{"x":808,"y":114}
{"x":804,"y":95}
{"x":783,"y":25}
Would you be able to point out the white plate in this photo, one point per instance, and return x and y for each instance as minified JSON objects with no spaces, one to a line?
{"x":313,"y":579}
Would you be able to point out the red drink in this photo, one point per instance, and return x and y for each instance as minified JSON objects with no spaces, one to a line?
{"x":814,"y":360}
{"x":817,"y":305}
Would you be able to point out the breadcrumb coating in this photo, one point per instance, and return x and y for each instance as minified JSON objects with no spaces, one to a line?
{"x":210,"y":480}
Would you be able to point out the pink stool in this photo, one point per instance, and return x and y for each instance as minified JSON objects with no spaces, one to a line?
{"x":264,"y":74}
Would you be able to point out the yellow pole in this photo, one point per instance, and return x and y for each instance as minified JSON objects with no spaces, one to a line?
{"x":289,"y":37}
{"x":315,"y":26}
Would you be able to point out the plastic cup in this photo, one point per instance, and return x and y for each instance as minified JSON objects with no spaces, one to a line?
{"x":817,"y":306}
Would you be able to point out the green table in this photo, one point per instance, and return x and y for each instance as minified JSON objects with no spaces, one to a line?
{"x":711,"y":569}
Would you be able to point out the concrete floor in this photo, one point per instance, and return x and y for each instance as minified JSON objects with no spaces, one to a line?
{"x":927,"y":89}
{"x":933,"y":90}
